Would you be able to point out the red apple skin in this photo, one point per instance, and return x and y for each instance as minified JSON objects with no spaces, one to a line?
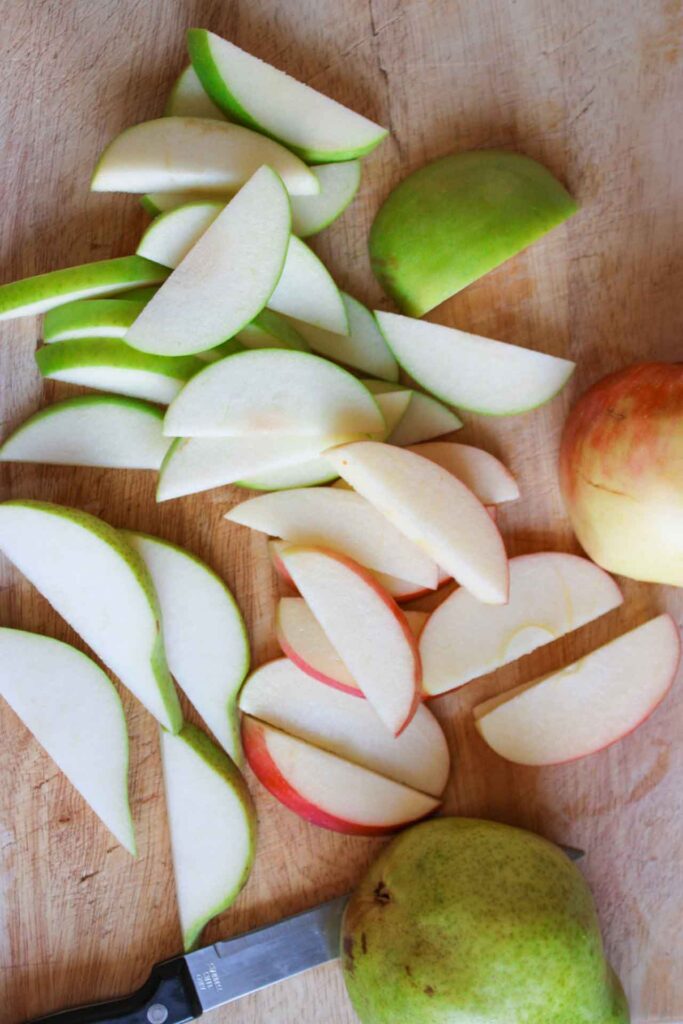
{"x":270,"y":776}
{"x":294,"y":656}
{"x":621,"y":472}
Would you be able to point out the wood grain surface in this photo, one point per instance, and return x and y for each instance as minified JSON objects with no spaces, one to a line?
{"x":590,"y":87}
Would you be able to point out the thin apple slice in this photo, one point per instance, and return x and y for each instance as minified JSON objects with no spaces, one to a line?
{"x":94,"y":579}
{"x":283,"y":696}
{"x":212,"y":821}
{"x":92,"y":430}
{"x":433,"y":509}
{"x":73,"y":710}
{"x":338,"y":186}
{"x":205,"y":638}
{"x":174,"y":154}
{"x":361,"y":347}
{"x":188,"y":98}
{"x":551,"y":594}
{"x":256,"y":94}
{"x":171,"y":235}
{"x":91,"y":318}
{"x":471,"y":372}
{"x":327,"y":790}
{"x":424,"y":419}
{"x":340,"y":521}
{"x":483,"y":473}
{"x":365,"y":626}
{"x":587,"y":705}
{"x":155,"y":203}
{"x":139,"y":294}
{"x":270,"y":330}
{"x":307,"y":293}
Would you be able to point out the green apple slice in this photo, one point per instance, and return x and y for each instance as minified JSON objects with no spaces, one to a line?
{"x":270,"y":330}
{"x":338,"y":186}
{"x":35,"y":295}
{"x":173,"y":154}
{"x":92,"y":430}
{"x":212,"y":821}
{"x":307,"y":293}
{"x":363,"y":348}
{"x":101,"y":586}
{"x":91,"y":318}
{"x":139,"y":294}
{"x":423,"y":419}
{"x":226,"y":278}
{"x":73,"y":710}
{"x":260,"y":96}
{"x":452,"y":221}
{"x":273,"y":391}
{"x":171,"y":235}
{"x":155,"y":203}
{"x":205,"y":638}
{"x":108,"y":364}
{"x":188,"y":98}
{"x":475,"y":373}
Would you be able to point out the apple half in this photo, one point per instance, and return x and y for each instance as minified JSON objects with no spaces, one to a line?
{"x":483,"y":473}
{"x":91,"y":318}
{"x":588,"y":705}
{"x":361,"y":346}
{"x":188,"y":98}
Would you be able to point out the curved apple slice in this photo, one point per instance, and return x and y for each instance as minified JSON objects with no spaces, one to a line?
{"x":327,"y":790}
{"x":338,"y":186}
{"x":587,"y":705}
{"x":424,"y":419}
{"x":483,"y":473}
{"x":171,"y":235}
{"x":270,"y":330}
{"x":307,"y":293}
{"x":188,"y":98}
{"x":361,"y":346}
{"x":91,"y":318}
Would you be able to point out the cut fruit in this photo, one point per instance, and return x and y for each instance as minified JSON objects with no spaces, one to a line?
{"x":174,"y":154}
{"x":475,"y":373}
{"x":338,"y":186}
{"x":483,"y":473}
{"x":109,"y":364}
{"x":34,"y":295}
{"x":307,"y":293}
{"x":365,"y":626}
{"x":258,"y":95}
{"x":94,"y":579}
{"x":424,"y":419}
{"x":588,"y":705}
{"x":270,"y":330}
{"x":212,"y":821}
{"x":433,"y":509}
{"x":139,"y":294}
{"x":155,"y":203}
{"x":226,"y":278}
{"x":93,"y":430}
{"x":73,"y":710}
{"x":362,"y":348}
{"x":91,"y":318}
{"x":274,"y":392}
{"x":550,"y":594}
{"x":171,"y":235}
{"x":286,"y":698}
{"x":188,"y":98}
{"x":341,"y":521}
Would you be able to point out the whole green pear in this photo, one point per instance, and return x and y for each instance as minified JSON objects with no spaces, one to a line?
{"x":461,"y":921}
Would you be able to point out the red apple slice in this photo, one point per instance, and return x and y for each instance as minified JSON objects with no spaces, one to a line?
{"x":483,"y":473}
{"x":327,"y":790}
{"x":588,"y":705}
{"x":283,"y":696}
{"x":365,"y":626}
{"x":432,"y":508}
{"x":550,"y":594}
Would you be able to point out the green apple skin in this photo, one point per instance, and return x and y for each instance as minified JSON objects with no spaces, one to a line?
{"x":461,"y":921}
{"x":455,"y":219}
{"x":64,"y":355}
{"x":89,"y":318}
{"x":140,"y":294}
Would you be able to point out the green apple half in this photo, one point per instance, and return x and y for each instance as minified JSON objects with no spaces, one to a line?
{"x":212,"y":821}
{"x":260,"y":96}
{"x":91,"y":430}
{"x":91,"y":318}
{"x":101,"y":586}
{"x":188,"y":98}
{"x":452,"y":221}
{"x":361,"y":346}
{"x":73,"y":710}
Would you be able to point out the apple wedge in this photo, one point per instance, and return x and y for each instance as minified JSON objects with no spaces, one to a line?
{"x":361,"y":347}
{"x":260,"y":96}
{"x":188,"y":98}
{"x":483,"y":473}
{"x":588,"y":705}
{"x":338,"y":186}
{"x":270,"y":330}
{"x":92,"y":430}
{"x":212,"y":821}
{"x":433,"y":509}
{"x":551,"y":594}
{"x":155,"y":203}
{"x":365,"y":626}
{"x":340,"y":521}
{"x":424,"y":419}
{"x":171,"y":235}
{"x":174,"y":154}
{"x":307,"y":293}
{"x":139,"y":294}
{"x":474,"y":373}
{"x":91,"y":318}
{"x":109,"y":364}
{"x":94,"y":579}
{"x":225,"y":279}
{"x":73,"y":710}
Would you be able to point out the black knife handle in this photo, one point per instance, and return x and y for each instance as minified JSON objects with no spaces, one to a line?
{"x":167,"y":997}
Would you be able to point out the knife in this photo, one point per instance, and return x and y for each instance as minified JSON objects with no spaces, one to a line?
{"x":182,"y":989}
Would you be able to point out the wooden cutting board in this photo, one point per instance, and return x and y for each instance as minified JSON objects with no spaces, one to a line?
{"x":592,"y":89}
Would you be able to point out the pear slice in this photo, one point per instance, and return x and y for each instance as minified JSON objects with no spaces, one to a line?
{"x":91,"y":430}
{"x":94,"y":579}
{"x":258,"y":95}
{"x":91,"y":318}
{"x":212,"y":821}
{"x":204,"y":634}
{"x":363,"y":348}
{"x":34,"y":295}
{"x":188,"y":98}
{"x":270,"y":330}
{"x":73,"y":710}
{"x":338,"y":186}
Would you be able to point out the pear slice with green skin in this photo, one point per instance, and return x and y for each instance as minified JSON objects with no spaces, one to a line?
{"x":270,"y":330}
{"x":34,"y":295}
{"x":91,"y":318}
{"x":449,"y":223}
{"x":91,"y":430}
{"x":424,"y":419}
{"x":188,"y":98}
{"x":258,"y":95}
{"x":109,"y":364}
{"x":213,"y":826}
{"x":172,"y":154}
{"x":94,"y":579}
{"x":74,"y":712}
{"x":362,"y":348}
{"x":339,"y":184}
{"x":205,"y":638}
